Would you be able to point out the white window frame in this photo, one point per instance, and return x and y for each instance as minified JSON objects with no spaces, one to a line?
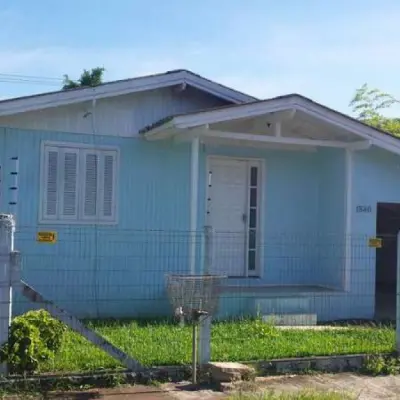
{"x":81,"y":149}
{"x":251,"y":162}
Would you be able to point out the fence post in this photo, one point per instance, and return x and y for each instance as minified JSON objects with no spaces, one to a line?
{"x":7,"y":228}
{"x":208,"y":237}
{"x":398,"y":296}
{"x":205,"y":321}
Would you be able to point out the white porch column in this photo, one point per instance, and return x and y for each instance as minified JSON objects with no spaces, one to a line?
{"x":194,"y":194}
{"x":348,"y":217}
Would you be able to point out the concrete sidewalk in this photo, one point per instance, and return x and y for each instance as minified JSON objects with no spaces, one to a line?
{"x":122,"y":393}
{"x":363,"y":388}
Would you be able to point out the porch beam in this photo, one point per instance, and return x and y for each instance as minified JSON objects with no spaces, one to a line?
{"x":205,"y":132}
{"x":274,"y":139}
{"x":360,"y":145}
{"x":271,"y":146}
{"x":194,"y":189}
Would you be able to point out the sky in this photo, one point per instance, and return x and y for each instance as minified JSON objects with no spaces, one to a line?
{"x":322,"y":49}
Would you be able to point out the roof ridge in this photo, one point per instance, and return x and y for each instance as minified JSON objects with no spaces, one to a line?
{"x":155,"y":75}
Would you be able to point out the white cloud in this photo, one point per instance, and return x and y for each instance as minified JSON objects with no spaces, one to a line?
{"x":323,"y":59}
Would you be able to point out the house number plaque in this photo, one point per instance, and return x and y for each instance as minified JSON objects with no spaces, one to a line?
{"x":375,"y":243}
{"x":46,"y":237}
{"x":363,"y":209}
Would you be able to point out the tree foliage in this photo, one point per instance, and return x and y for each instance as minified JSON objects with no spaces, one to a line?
{"x":368,"y":105}
{"x":91,"y":78}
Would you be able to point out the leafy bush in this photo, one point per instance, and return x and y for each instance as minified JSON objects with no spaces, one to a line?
{"x":51,"y":330}
{"x":34,"y":337}
{"x":381,"y":365}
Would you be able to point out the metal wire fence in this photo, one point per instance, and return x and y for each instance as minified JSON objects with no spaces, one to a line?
{"x":284,"y":295}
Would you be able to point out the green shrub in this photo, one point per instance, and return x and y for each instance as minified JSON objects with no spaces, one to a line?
{"x":381,"y":365}
{"x":51,"y":330}
{"x":34,"y":337}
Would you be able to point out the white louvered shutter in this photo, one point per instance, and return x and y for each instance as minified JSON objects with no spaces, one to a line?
{"x":69,"y":194}
{"x":51,"y":183}
{"x":91,"y":184}
{"x":108,"y":185}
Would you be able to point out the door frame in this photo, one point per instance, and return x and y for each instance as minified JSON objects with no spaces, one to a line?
{"x":260,"y":162}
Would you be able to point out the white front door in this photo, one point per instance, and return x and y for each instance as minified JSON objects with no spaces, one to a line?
{"x":232,"y":211}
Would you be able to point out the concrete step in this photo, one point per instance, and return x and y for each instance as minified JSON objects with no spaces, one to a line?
{"x":230,"y":372}
{"x":290,"y":304}
{"x":291,"y":319}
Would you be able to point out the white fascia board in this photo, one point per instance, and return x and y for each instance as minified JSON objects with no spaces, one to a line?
{"x":77,"y":96}
{"x":61,"y":98}
{"x":330,"y":116}
{"x":232,"y":112}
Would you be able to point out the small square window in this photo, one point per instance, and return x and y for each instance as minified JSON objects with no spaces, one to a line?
{"x":252,"y":260}
{"x":253,"y":197}
{"x":253,"y":176}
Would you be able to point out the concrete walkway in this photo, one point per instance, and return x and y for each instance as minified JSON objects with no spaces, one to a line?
{"x":123,"y":393}
{"x":363,"y":388}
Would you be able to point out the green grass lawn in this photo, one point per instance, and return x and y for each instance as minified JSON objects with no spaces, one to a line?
{"x":168,"y":344}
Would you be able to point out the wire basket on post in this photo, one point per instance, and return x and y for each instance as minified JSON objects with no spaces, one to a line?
{"x":193,"y":294}
{"x":193,"y":297}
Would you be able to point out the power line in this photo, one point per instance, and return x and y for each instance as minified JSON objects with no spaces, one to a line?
{"x":34,"y":77}
{"x":31,"y":79}
{"x":30,"y":82}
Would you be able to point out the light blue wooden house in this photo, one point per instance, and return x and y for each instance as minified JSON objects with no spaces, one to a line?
{"x":129,"y":173}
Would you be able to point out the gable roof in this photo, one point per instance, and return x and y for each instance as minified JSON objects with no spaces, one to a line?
{"x":121,"y":87}
{"x":293,"y":101}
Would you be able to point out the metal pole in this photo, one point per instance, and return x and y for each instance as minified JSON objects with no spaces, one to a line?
{"x":208,"y":237}
{"x":194,"y":354}
{"x":13,"y":205}
{"x":8,"y":259}
{"x":204,"y":339}
{"x":398,"y":296}
{"x":7,"y":227}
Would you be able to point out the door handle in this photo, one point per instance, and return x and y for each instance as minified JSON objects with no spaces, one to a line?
{"x":244,"y":218}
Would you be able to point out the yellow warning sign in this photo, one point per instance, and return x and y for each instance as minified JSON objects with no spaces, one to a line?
{"x":375,"y":242}
{"x":47,"y":237}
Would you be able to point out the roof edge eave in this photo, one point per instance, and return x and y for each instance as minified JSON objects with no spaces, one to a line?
{"x":116,"y":88}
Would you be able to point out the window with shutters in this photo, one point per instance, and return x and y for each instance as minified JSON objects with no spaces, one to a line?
{"x":78,"y":184}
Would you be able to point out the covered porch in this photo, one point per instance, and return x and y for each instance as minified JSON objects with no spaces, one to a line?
{"x":272,"y":181}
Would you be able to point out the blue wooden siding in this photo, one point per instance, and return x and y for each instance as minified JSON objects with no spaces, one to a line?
{"x":115,"y":271}
{"x":331,"y":217}
{"x":121,"y":115}
{"x":107,"y":270}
